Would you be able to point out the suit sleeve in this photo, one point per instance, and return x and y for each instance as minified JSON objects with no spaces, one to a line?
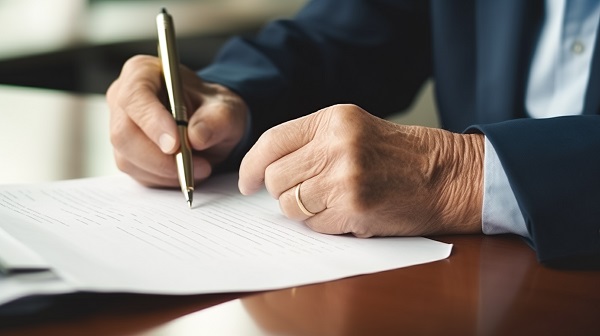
{"x":375,"y":54}
{"x":553,"y":166}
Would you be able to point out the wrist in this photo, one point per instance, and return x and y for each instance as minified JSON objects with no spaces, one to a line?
{"x":462,"y":187}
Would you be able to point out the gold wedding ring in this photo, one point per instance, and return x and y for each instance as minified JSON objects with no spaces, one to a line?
{"x":300,"y":204}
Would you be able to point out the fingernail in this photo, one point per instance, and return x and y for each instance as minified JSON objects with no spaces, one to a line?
{"x":166,"y":143}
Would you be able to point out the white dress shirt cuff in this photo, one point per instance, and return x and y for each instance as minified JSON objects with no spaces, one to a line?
{"x":501,"y":213}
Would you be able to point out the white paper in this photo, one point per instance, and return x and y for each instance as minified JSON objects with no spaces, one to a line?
{"x":16,"y":286}
{"x":15,"y":256}
{"x":110,"y":234}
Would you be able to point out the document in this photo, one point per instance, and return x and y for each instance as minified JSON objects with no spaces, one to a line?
{"x":110,"y":234}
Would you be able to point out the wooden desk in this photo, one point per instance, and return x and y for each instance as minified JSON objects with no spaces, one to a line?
{"x":489,"y":286}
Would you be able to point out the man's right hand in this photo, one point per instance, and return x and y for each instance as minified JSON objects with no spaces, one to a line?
{"x":144,"y":134}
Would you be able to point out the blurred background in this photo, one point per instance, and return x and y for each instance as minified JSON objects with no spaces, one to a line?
{"x":57,"y":58}
{"x":80,"y":45}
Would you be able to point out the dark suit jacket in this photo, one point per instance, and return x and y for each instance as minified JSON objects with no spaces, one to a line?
{"x":378,"y":53}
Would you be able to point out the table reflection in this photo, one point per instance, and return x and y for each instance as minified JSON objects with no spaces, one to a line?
{"x":489,"y":286}
{"x":426,"y":299}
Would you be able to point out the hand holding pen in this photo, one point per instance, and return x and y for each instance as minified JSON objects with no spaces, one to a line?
{"x":145,"y":135}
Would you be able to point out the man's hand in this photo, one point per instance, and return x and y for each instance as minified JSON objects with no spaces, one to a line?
{"x":143,"y":131}
{"x":369,"y":177}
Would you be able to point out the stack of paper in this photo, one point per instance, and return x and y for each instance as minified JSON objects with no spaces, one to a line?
{"x":110,"y":234}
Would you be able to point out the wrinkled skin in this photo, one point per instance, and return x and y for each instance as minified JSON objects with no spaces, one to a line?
{"x":368,"y":176}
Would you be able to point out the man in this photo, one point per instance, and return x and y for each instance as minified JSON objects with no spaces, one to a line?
{"x":497,"y":65}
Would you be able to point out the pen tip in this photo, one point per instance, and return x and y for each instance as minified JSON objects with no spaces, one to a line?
{"x":190,"y":197}
{"x":163,"y":10}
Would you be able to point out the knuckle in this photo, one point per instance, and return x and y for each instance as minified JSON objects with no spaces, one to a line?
{"x":285,"y":209}
{"x":111,"y":92}
{"x":271,"y":134}
{"x":138,"y":61}
{"x":350,"y":125}
{"x":274,"y":140}
{"x":270,"y":177}
{"x":347,"y":113}
{"x":287,"y":205}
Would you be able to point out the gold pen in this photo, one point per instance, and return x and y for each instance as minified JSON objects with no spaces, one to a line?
{"x":167,"y":51}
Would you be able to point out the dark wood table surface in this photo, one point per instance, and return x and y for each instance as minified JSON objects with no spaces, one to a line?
{"x":488,"y":286}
